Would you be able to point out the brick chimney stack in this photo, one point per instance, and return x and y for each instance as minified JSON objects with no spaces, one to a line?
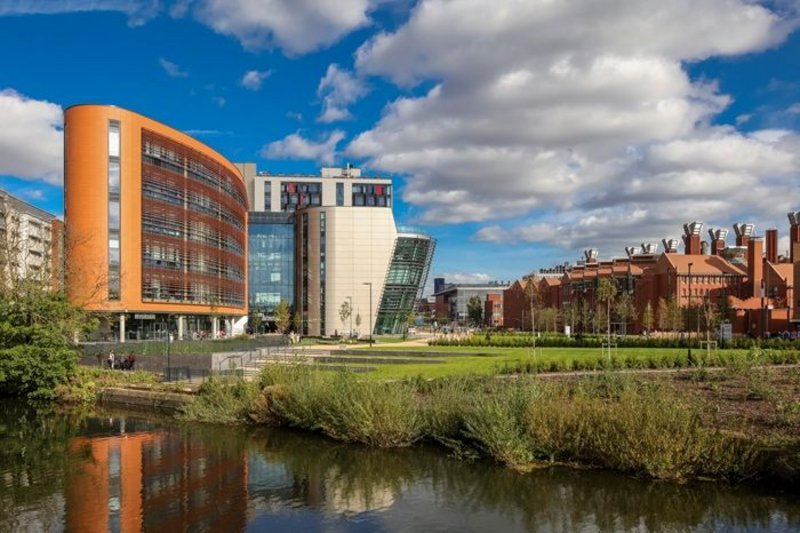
{"x":590,"y":255}
{"x":743,"y":233}
{"x":717,"y":240}
{"x":691,"y":237}
{"x":772,"y":245}
{"x":755,"y":264}
{"x":670,"y":246}
{"x":794,"y":234}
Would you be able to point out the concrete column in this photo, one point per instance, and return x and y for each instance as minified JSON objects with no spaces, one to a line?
{"x":228,"y":327}
{"x":181,"y":322}
{"x":122,"y":327}
{"x":214,"y":327}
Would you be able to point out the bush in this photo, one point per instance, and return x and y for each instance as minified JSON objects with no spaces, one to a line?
{"x":344,"y":408}
{"x":35,"y":371}
{"x":225,"y":401}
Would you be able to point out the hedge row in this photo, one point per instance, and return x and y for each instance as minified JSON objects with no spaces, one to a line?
{"x":596,"y":341}
{"x":654,"y":361}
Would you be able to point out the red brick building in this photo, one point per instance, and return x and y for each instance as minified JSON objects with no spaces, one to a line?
{"x":748,"y":282}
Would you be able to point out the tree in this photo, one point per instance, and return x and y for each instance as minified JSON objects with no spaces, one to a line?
{"x":585,"y":314}
{"x":647,"y":317}
{"x":569,"y":313}
{"x":475,"y":310}
{"x":411,"y":319}
{"x":345,"y":311}
{"x":255,"y":321}
{"x":624,"y":310}
{"x":663,"y":314}
{"x":532,"y":297}
{"x":283,"y":316}
{"x":711,"y":316}
{"x":606,"y":292}
{"x":37,"y":326}
{"x":297,"y":321}
{"x":358,"y":323}
{"x":674,"y":315}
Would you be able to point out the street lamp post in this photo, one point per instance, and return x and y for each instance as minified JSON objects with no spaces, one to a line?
{"x":169,"y":342}
{"x":688,"y":313}
{"x":369,"y":321}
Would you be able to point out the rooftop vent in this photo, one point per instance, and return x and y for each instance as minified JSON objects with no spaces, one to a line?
{"x":692,"y":228}
{"x":650,"y":248}
{"x":718,"y":234}
{"x":744,"y":230}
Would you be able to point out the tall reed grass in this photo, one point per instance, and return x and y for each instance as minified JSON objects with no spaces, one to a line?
{"x":610,"y":421}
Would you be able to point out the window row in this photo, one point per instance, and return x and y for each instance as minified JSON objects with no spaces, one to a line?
{"x":370,"y":200}
{"x":196,"y":202}
{"x":292,"y":187}
{"x":196,"y":232}
{"x":156,"y":289}
{"x":293,"y":201}
{"x":156,"y":256}
{"x":163,"y":157}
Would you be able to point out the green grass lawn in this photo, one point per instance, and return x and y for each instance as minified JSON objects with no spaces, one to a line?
{"x":501,"y":358}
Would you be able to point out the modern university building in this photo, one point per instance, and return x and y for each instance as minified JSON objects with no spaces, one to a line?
{"x":158,"y":237}
{"x":156,"y":227}
{"x":321,"y":241}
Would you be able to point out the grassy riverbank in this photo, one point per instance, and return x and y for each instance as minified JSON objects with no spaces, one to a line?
{"x":662,"y":428}
{"x":467,"y":361}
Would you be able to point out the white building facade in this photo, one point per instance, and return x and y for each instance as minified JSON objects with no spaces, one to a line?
{"x":344,"y":240}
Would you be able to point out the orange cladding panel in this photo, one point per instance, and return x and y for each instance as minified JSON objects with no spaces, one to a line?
{"x":86,"y":209}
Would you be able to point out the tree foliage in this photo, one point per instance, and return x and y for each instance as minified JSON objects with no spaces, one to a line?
{"x":37,"y":327}
{"x":475,"y":310}
{"x":647,"y":317}
{"x":283,"y":316}
{"x":345,"y":311}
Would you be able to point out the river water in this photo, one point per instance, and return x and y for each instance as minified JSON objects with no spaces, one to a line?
{"x":117,"y":471}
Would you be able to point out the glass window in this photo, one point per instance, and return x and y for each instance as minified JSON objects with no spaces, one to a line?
{"x":113,"y":214}
{"x":113,"y":176}
{"x":340,"y":194}
{"x":113,"y":139}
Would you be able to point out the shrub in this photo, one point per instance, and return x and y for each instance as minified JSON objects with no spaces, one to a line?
{"x":222,"y":400}
{"x":346,"y":409}
{"x":35,"y":371}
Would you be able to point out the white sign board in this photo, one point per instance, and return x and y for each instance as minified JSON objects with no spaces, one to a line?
{"x":726,"y":331}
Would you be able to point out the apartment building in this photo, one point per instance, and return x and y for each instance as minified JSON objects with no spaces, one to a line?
{"x":30,"y":242}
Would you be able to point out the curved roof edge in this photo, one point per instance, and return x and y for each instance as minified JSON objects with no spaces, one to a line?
{"x":164,"y":124}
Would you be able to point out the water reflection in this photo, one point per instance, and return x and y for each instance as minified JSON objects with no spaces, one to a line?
{"x":127,"y":473}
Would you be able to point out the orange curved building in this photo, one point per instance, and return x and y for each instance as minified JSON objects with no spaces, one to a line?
{"x":156,"y":226}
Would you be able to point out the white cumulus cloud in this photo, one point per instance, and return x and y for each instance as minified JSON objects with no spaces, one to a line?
{"x":172,"y":70}
{"x":295,"y":146}
{"x":138,"y":11}
{"x":31,"y":138}
{"x":338,"y":89}
{"x":296,"y":26}
{"x":253,"y":79}
{"x":576,"y":119}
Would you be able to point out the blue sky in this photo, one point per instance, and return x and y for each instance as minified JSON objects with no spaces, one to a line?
{"x":518,"y":132}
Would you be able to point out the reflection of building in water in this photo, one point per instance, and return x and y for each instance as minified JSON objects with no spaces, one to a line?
{"x":318,"y":486}
{"x":343,"y":498}
{"x":154,"y":481}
